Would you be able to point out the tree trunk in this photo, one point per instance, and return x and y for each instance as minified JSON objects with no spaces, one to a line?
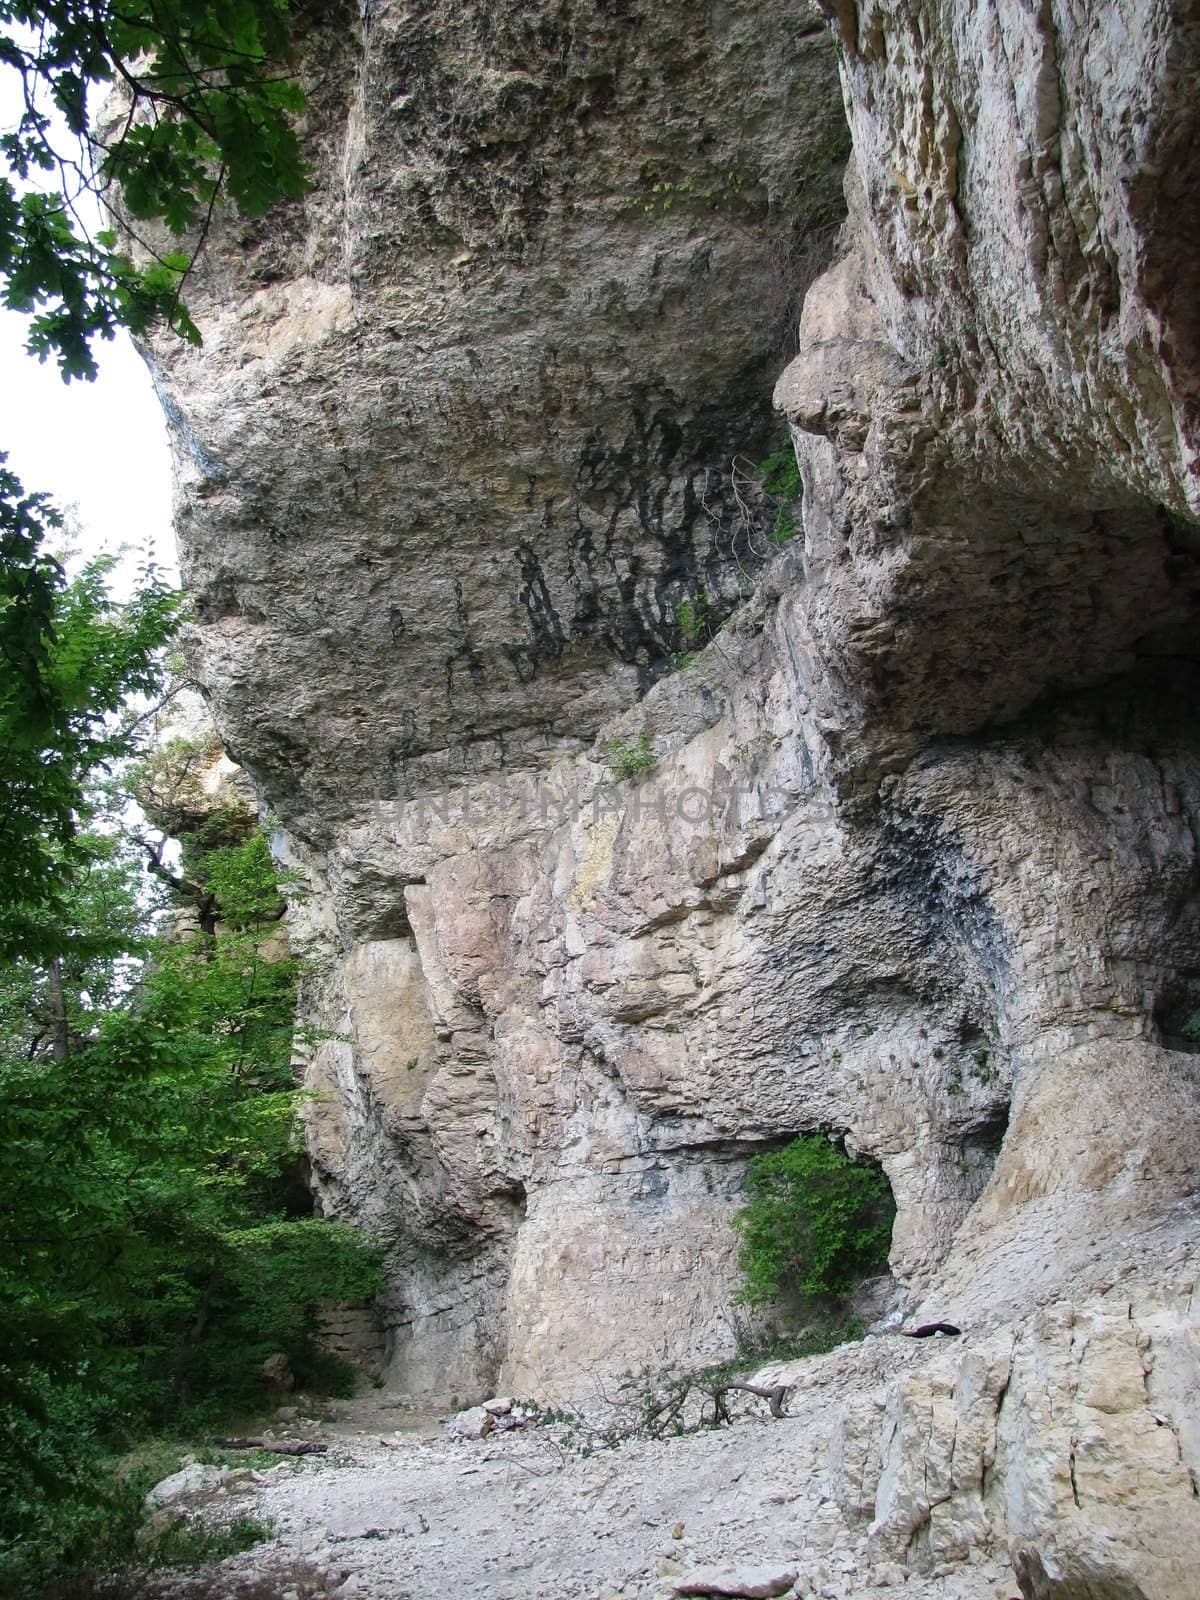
{"x":58,"y":1011}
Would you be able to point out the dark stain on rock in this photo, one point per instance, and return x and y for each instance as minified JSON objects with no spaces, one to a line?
{"x":545,"y":626}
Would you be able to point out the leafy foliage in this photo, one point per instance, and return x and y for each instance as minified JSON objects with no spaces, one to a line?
{"x":721,"y":191}
{"x":148,"y":1260}
{"x":149,"y":1257}
{"x":87,"y":1514}
{"x":69,"y":658}
{"x":698,"y":628}
{"x":692,"y":620}
{"x":780,"y":478}
{"x":629,"y":758}
{"x":151,"y":1254}
{"x":815,"y":1224}
{"x":202,"y":103}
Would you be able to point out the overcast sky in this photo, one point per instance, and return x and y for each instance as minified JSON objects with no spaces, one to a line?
{"x":101,"y":445}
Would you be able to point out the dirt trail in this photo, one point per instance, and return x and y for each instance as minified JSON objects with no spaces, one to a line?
{"x":399,"y":1511}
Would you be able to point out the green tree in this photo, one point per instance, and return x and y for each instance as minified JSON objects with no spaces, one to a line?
{"x":150,"y":1252}
{"x":151,"y":1256}
{"x":201,"y":100}
{"x":815,"y":1224}
{"x":70,"y":673}
{"x":201,"y":103}
{"x":148,"y":1256}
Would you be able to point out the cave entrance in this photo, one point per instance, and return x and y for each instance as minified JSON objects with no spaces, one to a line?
{"x":1177,"y":1014}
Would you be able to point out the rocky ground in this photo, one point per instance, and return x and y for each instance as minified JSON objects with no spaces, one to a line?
{"x":400,"y":1509}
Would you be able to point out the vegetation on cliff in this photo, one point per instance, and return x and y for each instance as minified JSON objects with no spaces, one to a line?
{"x":153,"y":1244}
{"x":814,"y":1225}
{"x":199,"y":108}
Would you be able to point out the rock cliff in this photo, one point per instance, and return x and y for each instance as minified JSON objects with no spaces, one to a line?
{"x":900,"y":842}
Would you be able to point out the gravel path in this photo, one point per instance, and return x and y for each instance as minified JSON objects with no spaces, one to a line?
{"x":399,"y":1511}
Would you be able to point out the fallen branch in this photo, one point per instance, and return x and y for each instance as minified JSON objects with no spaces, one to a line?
{"x":275,"y":1447}
{"x":775,"y":1397}
{"x":667,"y":1412}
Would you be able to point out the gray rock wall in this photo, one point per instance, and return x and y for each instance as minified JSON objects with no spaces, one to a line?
{"x":916,"y":862}
{"x":458,"y":444}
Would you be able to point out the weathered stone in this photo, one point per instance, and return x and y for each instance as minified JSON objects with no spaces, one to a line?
{"x":190,"y":782}
{"x":277,"y":1371}
{"x":889,"y":1575}
{"x":1072,"y":1432}
{"x":916,"y":858}
{"x":475,"y":1423}
{"x":458,"y":441}
{"x":196,"y":1480}
{"x":744,"y":1583}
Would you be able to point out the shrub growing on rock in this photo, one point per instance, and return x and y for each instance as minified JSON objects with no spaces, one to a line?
{"x":815,"y":1224}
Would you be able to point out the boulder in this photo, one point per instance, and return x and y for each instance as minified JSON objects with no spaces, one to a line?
{"x":743,"y":1583}
{"x":278,"y":1373}
{"x":474,"y":1423}
{"x":193,"y":1480}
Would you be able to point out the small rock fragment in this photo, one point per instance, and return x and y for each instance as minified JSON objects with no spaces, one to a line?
{"x":890,"y":1575}
{"x":474,"y":1423}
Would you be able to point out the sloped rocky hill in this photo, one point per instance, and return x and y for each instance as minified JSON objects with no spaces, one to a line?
{"x":912,"y":856}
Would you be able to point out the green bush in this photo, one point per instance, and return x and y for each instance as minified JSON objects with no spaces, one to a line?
{"x":73,"y":1511}
{"x":780,"y":477}
{"x":691,"y":618}
{"x":629,"y":758}
{"x":816,"y":1223}
{"x":150,"y":1258}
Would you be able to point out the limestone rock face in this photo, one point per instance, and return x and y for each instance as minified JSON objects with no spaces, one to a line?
{"x":912,"y":854}
{"x":1073,"y":1432}
{"x":457,"y":447}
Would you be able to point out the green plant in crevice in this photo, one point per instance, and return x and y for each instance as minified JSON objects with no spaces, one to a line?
{"x":779,"y":475}
{"x":691,"y":618}
{"x":696,"y":626}
{"x":722,"y":191}
{"x":628,"y":759}
{"x":983,"y":1069}
{"x":815,"y":1224}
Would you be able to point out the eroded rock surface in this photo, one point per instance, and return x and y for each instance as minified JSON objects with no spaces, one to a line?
{"x":458,"y":445}
{"x":1073,"y":1433}
{"x":916,"y":859}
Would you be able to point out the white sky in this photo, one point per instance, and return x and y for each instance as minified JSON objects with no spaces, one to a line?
{"x":101,"y":446}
